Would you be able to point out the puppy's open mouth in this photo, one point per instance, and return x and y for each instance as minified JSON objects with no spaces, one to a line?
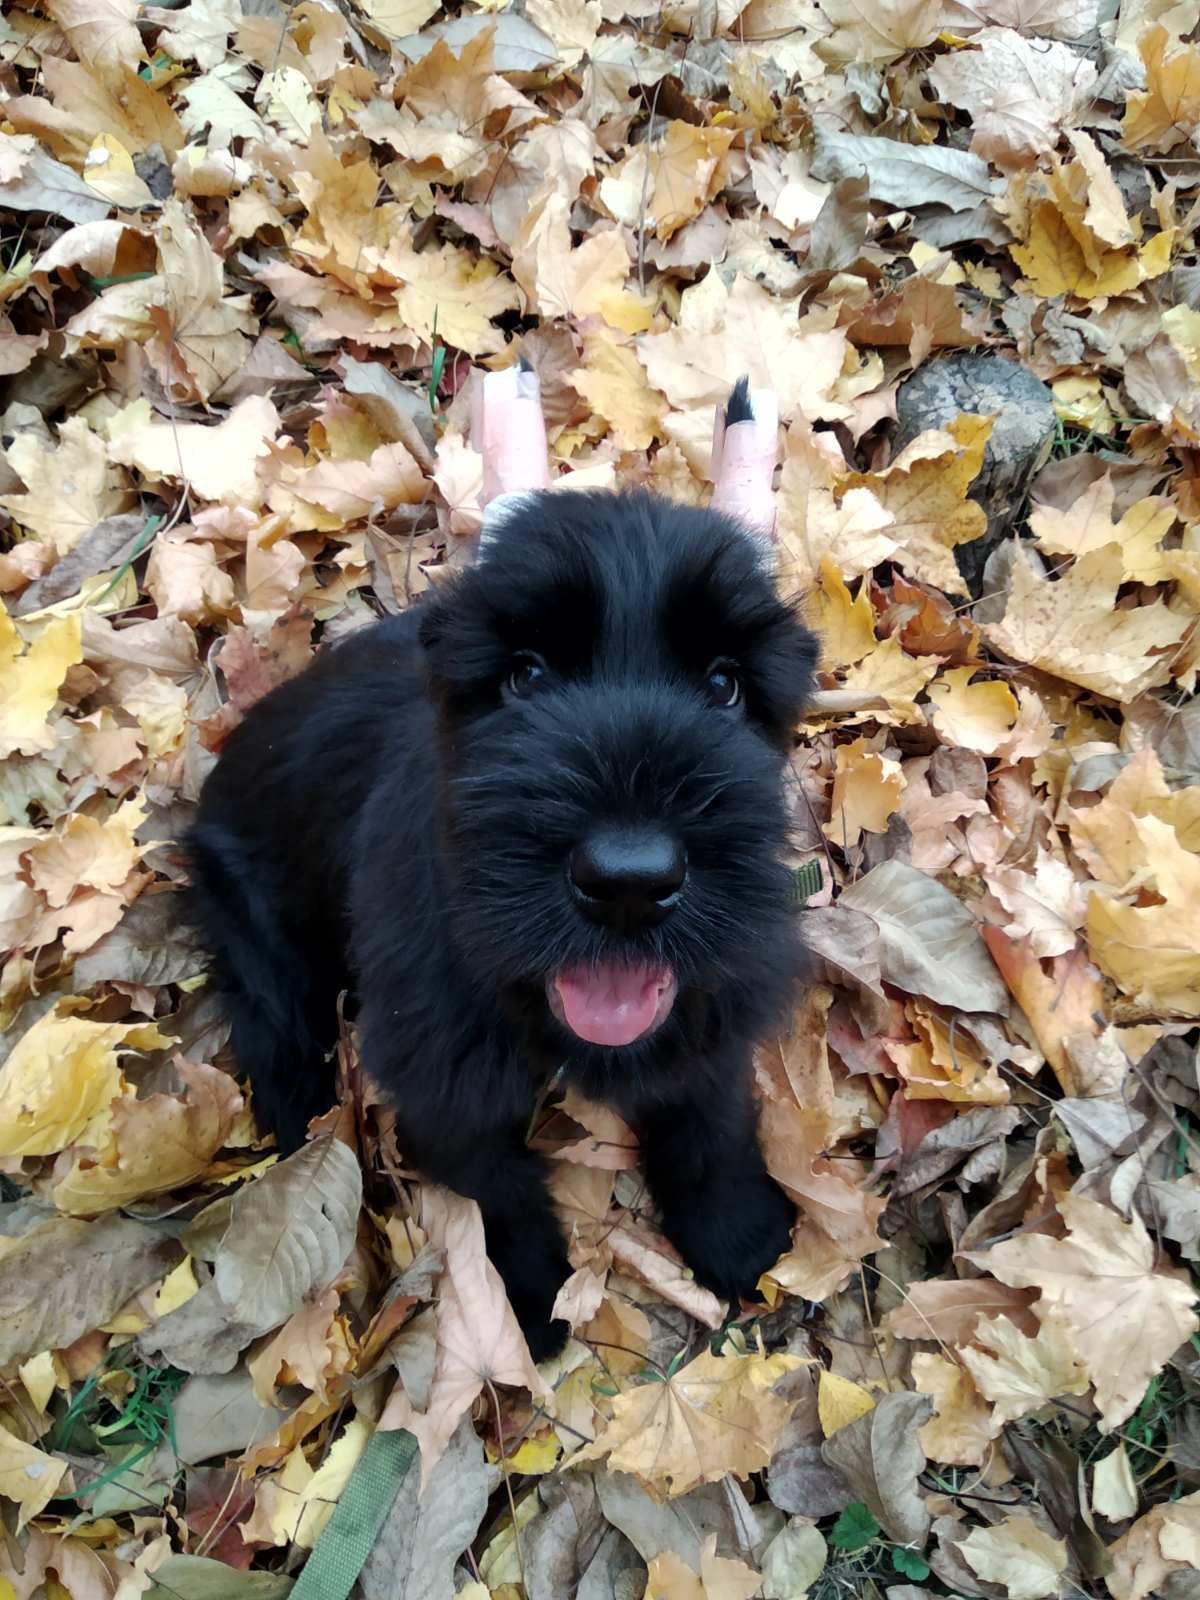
{"x":612,"y":1004}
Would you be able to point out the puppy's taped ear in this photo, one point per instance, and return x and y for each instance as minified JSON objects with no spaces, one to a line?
{"x":509,"y":431}
{"x":745,"y":449}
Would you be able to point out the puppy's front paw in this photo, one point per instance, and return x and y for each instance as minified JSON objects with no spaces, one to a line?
{"x":733,"y":1233}
{"x":532,"y":1280}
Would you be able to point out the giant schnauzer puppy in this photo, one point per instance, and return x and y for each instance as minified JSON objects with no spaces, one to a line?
{"x":536,"y":826}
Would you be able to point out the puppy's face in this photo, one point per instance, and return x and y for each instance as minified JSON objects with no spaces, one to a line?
{"x":617,"y":684}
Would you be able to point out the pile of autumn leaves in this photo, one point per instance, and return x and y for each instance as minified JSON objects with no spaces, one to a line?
{"x":252,"y":247}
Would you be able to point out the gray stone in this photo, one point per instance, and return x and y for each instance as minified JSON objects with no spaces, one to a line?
{"x":1022,"y":432}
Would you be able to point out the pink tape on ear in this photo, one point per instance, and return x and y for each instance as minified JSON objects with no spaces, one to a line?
{"x":743,"y":464}
{"x":509,"y":431}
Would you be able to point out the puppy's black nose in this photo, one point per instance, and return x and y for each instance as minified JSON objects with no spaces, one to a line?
{"x":628,"y":877}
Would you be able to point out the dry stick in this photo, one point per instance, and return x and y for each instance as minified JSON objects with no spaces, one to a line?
{"x":512,"y":1504}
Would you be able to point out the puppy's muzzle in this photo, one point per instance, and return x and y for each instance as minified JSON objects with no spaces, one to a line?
{"x":627,"y":878}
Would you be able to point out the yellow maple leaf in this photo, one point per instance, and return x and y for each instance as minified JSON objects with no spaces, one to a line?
{"x":1126,"y":1316}
{"x":85,"y":853}
{"x":1153,"y":951}
{"x":103,"y":33}
{"x":960,"y":1431}
{"x":155,"y":1144}
{"x":69,"y":486}
{"x":28,"y":1476}
{"x":1167,"y":111}
{"x":925,"y":491}
{"x":897,"y":678}
{"x":719,"y":1577}
{"x":878,"y":33}
{"x":716,"y":1415}
{"x":218,"y":462}
{"x":840,"y":1401}
{"x":30,"y":680}
{"x":561,"y":279}
{"x":452,"y":291}
{"x":867,"y":787}
{"x":1071,"y":627}
{"x":1106,"y":836}
{"x":975,"y":716}
{"x":60,"y":1080}
{"x":613,"y":382}
{"x":845,"y":627}
{"x":1089,"y":524}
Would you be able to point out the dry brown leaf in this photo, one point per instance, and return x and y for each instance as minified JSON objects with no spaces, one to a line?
{"x":1126,"y":1315}
{"x":1089,"y":524}
{"x":882,"y":33}
{"x":866,"y":791}
{"x":880,"y":1456}
{"x":1166,"y":1540}
{"x":719,"y":1577}
{"x":69,"y":488}
{"x":961,"y":1430}
{"x":716,"y":1415}
{"x":478,"y":1340}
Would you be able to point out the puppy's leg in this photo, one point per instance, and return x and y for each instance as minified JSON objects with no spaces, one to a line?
{"x":728,"y":1219}
{"x":280,"y":1000}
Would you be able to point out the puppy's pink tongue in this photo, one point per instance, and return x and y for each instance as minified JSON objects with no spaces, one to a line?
{"x":611,"y":1004}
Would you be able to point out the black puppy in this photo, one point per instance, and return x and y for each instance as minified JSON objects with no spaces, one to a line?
{"x":535,"y":823}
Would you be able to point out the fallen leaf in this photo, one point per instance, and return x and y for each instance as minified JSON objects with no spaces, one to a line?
{"x":716,"y":1415}
{"x":883,"y":34}
{"x":63,"y":1278}
{"x":974,"y":716}
{"x":1114,"y":1493}
{"x":60,"y":1079}
{"x":961,"y":1430}
{"x":1019,"y":1374}
{"x":1149,"y":950}
{"x":1071,"y":628}
{"x":1020,"y":93}
{"x":880,"y":1456}
{"x":1126,"y":1317}
{"x":866,"y":791}
{"x":478,"y":1340}
{"x":719,"y":1577}
{"x":29,"y":1476}
{"x":1167,"y":111}
{"x":1165,"y":1541}
{"x":839,"y":1401}
{"x":1089,"y":524}
{"x":1019,"y":1555}
{"x":30,"y":679}
{"x":929,"y":943}
{"x":69,"y":487}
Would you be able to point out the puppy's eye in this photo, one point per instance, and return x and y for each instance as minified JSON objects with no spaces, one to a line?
{"x":722,"y":685}
{"x":526,"y":673}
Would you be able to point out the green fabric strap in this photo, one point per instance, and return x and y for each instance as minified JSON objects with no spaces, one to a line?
{"x":360,"y":1513}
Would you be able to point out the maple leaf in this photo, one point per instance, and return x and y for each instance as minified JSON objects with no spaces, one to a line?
{"x":974,"y":716}
{"x":743,"y":328}
{"x":960,"y":1431}
{"x":562,"y":279}
{"x":30,"y":677}
{"x":162,"y":1142}
{"x":1020,"y":93}
{"x":719,"y":1577}
{"x":716,"y":1415}
{"x":925,"y":491}
{"x":69,"y":487}
{"x":1071,"y":627}
{"x":1019,"y":1374}
{"x":60,"y":1080}
{"x":866,"y":791}
{"x":880,"y":34}
{"x":1126,"y":1317}
{"x":103,"y":33}
{"x":1167,"y":111}
{"x":1088,"y":525}
{"x":1153,"y":951}
{"x":1164,"y":1541}
{"x":1018,"y":1554}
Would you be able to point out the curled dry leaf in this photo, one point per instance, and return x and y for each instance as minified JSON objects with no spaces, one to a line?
{"x":1018,"y":1554}
{"x":880,"y":1456}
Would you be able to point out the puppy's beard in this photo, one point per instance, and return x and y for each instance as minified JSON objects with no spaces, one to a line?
{"x":611,"y":1003}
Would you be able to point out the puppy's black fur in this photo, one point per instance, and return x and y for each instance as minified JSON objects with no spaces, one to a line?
{"x":402,"y":819}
